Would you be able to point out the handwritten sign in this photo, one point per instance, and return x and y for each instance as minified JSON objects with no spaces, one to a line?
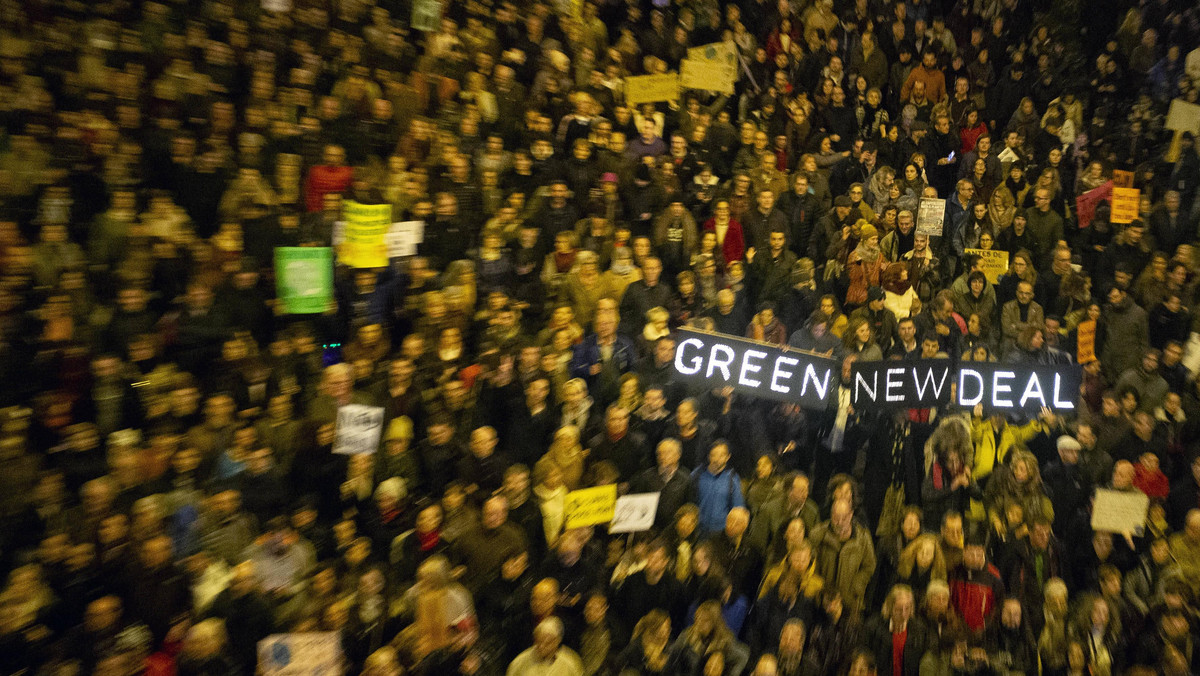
{"x":591,"y":506}
{"x":1183,"y":116}
{"x":1122,"y":178}
{"x":1085,"y":342}
{"x":713,"y":76}
{"x":1125,"y":203}
{"x":366,"y":226}
{"x":714,"y":51}
{"x":301,"y":654}
{"x":651,"y":88}
{"x":402,"y":238}
{"x":992,"y":263}
{"x":358,"y":429}
{"x":634,"y":513}
{"x":1119,"y":511}
{"x":931,"y":216}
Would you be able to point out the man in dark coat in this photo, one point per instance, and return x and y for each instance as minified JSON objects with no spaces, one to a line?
{"x":675,"y":488}
{"x":897,"y":638}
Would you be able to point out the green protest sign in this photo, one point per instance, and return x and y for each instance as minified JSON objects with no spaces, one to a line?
{"x":304,"y":278}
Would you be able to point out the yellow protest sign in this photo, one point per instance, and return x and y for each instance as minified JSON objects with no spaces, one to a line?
{"x":651,"y":88}
{"x":715,"y":51}
{"x":363,"y":245}
{"x":712,"y":76}
{"x":590,"y":506}
{"x":1085,"y":341}
{"x":993,"y":263}
{"x":1122,"y":178}
{"x":1125,"y":205}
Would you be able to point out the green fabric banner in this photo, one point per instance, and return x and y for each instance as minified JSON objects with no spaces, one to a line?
{"x":304,"y":278}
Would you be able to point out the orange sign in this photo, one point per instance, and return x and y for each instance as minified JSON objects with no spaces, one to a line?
{"x":1125,"y":204}
{"x":1122,"y":178}
{"x":1085,"y":341}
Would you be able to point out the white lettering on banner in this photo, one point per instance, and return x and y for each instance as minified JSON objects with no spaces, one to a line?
{"x":821,"y":386}
{"x":748,"y":367}
{"x":871,"y":389}
{"x":714,"y":363}
{"x":1059,"y":402}
{"x":890,"y":384}
{"x":937,"y":389}
{"x":997,"y":388}
{"x":757,"y":369}
{"x":1033,"y":391}
{"x":963,"y":399}
{"x":697,"y":361}
{"x":785,"y":374}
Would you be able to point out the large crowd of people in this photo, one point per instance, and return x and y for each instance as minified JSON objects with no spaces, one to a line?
{"x":170,"y":491}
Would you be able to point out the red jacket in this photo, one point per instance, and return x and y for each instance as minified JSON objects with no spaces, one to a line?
{"x":734,"y":245}
{"x":976,"y":594}
{"x":1153,"y":484}
{"x":322,"y":180}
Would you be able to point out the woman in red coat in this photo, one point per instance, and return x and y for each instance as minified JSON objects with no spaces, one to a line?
{"x":729,"y":232}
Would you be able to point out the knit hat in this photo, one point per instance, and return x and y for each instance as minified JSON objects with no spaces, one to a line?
{"x":399,"y":428}
{"x":867,"y":231}
{"x":875,"y":293}
{"x":842,"y":201}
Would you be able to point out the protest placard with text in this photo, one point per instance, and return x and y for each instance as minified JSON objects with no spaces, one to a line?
{"x":1125,"y":204}
{"x":359,"y":428}
{"x":651,"y":88}
{"x":303,"y":279}
{"x":590,"y":506}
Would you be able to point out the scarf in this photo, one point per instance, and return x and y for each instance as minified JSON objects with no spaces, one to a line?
{"x":868,"y":254}
{"x":1015,"y":187}
{"x":564,"y":261}
{"x":427,"y":541}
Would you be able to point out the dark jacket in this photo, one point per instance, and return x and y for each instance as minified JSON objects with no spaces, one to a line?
{"x":801,"y":212}
{"x":877,"y":637}
{"x":673,"y":494}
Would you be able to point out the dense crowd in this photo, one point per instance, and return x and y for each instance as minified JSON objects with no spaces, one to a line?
{"x":170,"y":491}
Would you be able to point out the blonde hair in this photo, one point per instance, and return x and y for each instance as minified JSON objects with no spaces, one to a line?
{"x":908,"y":557}
{"x":890,"y":601}
{"x":205,"y":638}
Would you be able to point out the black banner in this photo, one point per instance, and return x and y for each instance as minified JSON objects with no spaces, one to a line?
{"x":998,"y":387}
{"x":750,"y":367}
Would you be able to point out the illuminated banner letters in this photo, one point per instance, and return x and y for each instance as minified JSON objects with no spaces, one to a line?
{"x":718,"y":360}
{"x":998,"y":387}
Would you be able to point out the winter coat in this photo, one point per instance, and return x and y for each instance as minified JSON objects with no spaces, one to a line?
{"x":845,"y":565}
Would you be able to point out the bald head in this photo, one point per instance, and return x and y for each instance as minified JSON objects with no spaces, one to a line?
{"x":737,"y":521}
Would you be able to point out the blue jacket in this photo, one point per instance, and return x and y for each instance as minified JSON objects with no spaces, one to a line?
{"x":587,"y":353}
{"x":718,"y":494}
